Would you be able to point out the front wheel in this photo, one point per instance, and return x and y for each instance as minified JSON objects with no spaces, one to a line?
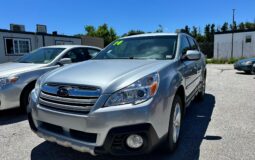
{"x":247,"y":72}
{"x":174,"y":124}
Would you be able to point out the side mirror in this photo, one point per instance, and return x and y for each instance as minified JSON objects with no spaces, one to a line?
{"x":64,"y":61}
{"x":192,"y":55}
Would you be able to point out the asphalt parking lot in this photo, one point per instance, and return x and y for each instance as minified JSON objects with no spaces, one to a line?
{"x":221,"y":127}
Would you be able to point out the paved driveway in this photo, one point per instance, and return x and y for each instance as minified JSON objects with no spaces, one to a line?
{"x":221,"y":127}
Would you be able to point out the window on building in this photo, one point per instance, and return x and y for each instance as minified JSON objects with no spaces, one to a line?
{"x":15,"y":46}
{"x":248,"y":39}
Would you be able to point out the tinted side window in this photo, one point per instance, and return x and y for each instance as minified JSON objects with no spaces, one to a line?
{"x":184,"y":45}
{"x":192,"y":44}
{"x":77,"y":55}
{"x":93,"y":52}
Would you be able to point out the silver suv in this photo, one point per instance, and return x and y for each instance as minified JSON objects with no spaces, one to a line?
{"x":126,"y":100}
{"x":17,"y":79}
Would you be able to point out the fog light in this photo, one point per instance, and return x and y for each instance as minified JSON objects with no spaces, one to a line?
{"x":134,"y":141}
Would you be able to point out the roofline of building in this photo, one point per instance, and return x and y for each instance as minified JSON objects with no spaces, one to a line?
{"x":37,"y":33}
{"x":237,"y":31}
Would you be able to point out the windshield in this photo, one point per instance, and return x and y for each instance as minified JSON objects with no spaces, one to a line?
{"x":41,"y":55}
{"x":154,"y":47}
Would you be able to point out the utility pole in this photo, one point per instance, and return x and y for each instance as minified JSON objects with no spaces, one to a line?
{"x":233,"y":23}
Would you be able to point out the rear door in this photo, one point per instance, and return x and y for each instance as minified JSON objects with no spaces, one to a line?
{"x":197,"y":63}
{"x":189,"y":68}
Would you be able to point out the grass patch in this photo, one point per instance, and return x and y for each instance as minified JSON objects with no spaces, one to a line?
{"x":223,"y":61}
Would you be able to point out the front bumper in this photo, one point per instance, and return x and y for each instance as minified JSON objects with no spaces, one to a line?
{"x":95,"y":132}
{"x":241,"y":67}
{"x":9,"y":97}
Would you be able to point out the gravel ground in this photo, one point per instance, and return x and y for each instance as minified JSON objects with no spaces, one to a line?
{"x":221,"y":127}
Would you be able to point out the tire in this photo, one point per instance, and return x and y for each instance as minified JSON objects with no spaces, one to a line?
{"x":247,"y":72}
{"x":24,"y":99}
{"x":175,"y":122}
{"x":201,"y":94}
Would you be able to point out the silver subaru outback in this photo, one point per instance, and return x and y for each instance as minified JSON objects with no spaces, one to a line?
{"x":126,"y":100}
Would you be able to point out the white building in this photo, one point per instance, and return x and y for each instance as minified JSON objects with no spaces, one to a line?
{"x":243,"y":44}
{"x":16,"y":41}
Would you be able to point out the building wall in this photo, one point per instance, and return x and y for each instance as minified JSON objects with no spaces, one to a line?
{"x":36,"y":41}
{"x":223,"y":45}
{"x":93,"y":41}
{"x":54,"y":40}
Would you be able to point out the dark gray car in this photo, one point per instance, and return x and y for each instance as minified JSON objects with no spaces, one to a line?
{"x":245,"y":65}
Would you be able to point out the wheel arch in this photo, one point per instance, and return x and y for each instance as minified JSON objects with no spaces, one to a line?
{"x":181,"y":92}
{"x":28,"y":85}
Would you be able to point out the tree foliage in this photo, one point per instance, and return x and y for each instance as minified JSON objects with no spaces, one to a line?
{"x":109,"y":34}
{"x":160,"y":29}
{"x":133,"y":32}
{"x":103,"y":31}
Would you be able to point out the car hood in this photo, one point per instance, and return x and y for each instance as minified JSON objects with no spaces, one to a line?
{"x":246,"y":60}
{"x":10,"y":68}
{"x":109,"y":75}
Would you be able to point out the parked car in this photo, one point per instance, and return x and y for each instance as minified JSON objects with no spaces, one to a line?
{"x":126,"y":100}
{"x":245,"y":65}
{"x":17,"y":79}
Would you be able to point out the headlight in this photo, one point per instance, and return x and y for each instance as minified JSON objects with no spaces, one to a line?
{"x":38,"y":86}
{"x":8,"y":80}
{"x":138,"y":92}
{"x":247,"y":63}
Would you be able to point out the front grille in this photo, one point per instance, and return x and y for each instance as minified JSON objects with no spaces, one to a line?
{"x":76,"y":98}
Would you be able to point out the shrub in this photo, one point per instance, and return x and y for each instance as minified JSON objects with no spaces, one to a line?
{"x":223,"y":61}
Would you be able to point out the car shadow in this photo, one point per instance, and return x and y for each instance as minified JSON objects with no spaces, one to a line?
{"x":243,"y":73}
{"x":196,"y":121}
{"x":11,"y":116}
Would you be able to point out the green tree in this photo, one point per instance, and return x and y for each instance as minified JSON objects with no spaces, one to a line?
{"x":194,"y":32}
{"x":103,"y":31}
{"x":133,"y":32}
{"x":233,"y":26}
{"x":186,"y":29}
{"x":90,"y":30}
{"x":207,"y":32}
{"x":241,"y":26}
{"x":249,"y":25}
{"x":160,"y":29}
{"x":212,"y":32}
{"x":218,"y":28}
{"x":224,"y":27}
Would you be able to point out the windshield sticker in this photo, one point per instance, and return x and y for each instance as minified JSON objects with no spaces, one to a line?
{"x":117,"y":43}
